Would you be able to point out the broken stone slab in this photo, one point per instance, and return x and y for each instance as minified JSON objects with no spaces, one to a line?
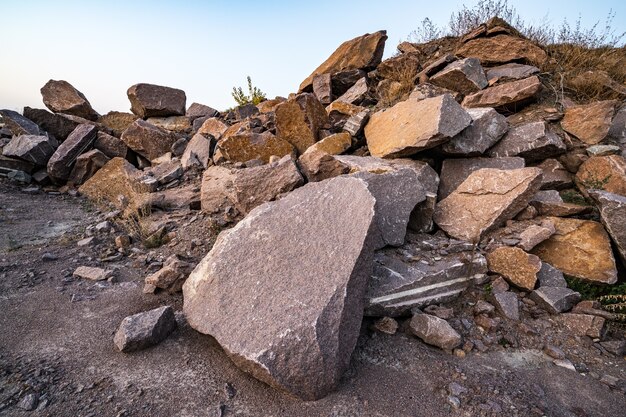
{"x":612,"y":208}
{"x":485,"y":200}
{"x":92,"y":273}
{"x":61,"y":162}
{"x":507,"y":96}
{"x":87,"y":165}
{"x":334,"y":144}
{"x":145,"y":329}
{"x":225,"y":188}
{"x":590,"y":122}
{"x":507,"y":304}
{"x":606,"y":173}
{"x":8,"y":165}
{"x":512,"y":71}
{"x":550,"y":203}
{"x":426,"y":270}
{"x":323,"y":89}
{"x":167,"y":171}
{"x":18,"y":124}
{"x":580,"y":248}
{"x":111,"y":146}
{"x":362,"y":53}
{"x":56,"y":125}
{"x":31,"y":148}
{"x":356,"y":123}
{"x":299,"y":119}
{"x":583,"y":324}
{"x":177,"y":124}
{"x":197,"y":152}
{"x":465,"y":76}
{"x":356,"y":94}
{"x":185,"y":197}
{"x":555,"y":176}
{"x":213,"y":127}
{"x":148,"y":140}
{"x":516,"y":266}
{"x":455,"y":171}
{"x":425,"y":124}
{"x":427,"y":90}
{"x":502,"y":48}
{"x":197,"y":110}
{"x":171,"y":277}
{"x":61,"y":97}
{"x":524,"y":234}
{"x":535,"y":234}
{"x":531,"y":141}
{"x":244,"y":147}
{"x":117,"y":121}
{"x":487,"y":128}
{"x":149,"y":100}
{"x":555,"y":300}
{"x":317,"y":165}
{"x":434,"y":331}
{"x":343,"y":80}
{"x":603,"y":150}
{"x":292,"y":333}
{"x":549,"y":276}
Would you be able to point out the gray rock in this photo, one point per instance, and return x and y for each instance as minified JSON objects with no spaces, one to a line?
{"x":8,"y":164}
{"x":603,"y":150}
{"x":61,"y":97}
{"x":167,"y":171}
{"x":355,"y":94}
{"x":555,"y":300}
{"x":616,"y":347}
{"x":28,"y":402}
{"x":111,"y":146}
{"x":511,"y":71}
{"x":424,"y":271}
{"x":197,"y":110}
{"x":531,"y":141}
{"x":58,"y":125}
{"x":18,"y":124}
{"x":322,"y":88}
{"x":197,"y":153}
{"x":355,"y":124}
{"x":455,"y":171}
{"x":465,"y":76}
{"x":145,"y":329}
{"x":507,"y":304}
{"x":81,"y":138}
{"x":148,"y":140}
{"x":612,"y":209}
{"x":19,"y":176}
{"x":87,"y":165}
{"x":149,"y":100}
{"x":317,"y":165}
{"x":92,"y":273}
{"x":487,"y":127}
{"x":555,"y":176}
{"x":549,"y":276}
{"x":31,"y":148}
{"x":434,"y":331}
{"x":343,"y":80}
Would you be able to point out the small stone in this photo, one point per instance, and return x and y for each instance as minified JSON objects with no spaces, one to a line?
{"x":435,"y":331}
{"x":92,"y":273}
{"x":28,"y":402}
{"x":609,"y":380}
{"x":603,"y":150}
{"x":507,"y":304}
{"x":49,"y":257}
{"x":553,"y":352}
{"x":386,"y":325}
{"x":122,"y":241}
{"x":583,"y":324}
{"x":499,"y":285}
{"x":86,"y":241}
{"x":145,"y":329}
{"x":483,"y":307}
{"x":564,"y":363}
{"x":549,"y":276}
{"x":555,"y":300}
{"x":616,"y":347}
{"x":454,"y":402}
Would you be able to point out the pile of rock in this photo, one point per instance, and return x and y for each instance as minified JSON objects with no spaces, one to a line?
{"x":351,"y":199}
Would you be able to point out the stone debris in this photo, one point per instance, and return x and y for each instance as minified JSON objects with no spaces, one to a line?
{"x":61,"y":162}
{"x":507,"y":304}
{"x":92,"y":273}
{"x":549,"y":276}
{"x":145,"y":329}
{"x":386,"y":325}
{"x":435,"y":331}
{"x":555,"y":300}
{"x":584,"y":324}
{"x":516,"y":266}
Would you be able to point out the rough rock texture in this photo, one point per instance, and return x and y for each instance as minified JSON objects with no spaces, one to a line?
{"x":148,"y":140}
{"x":247,"y":146}
{"x":583,"y":324}
{"x":299,"y":119}
{"x":411,"y":126}
{"x":501,"y":49}
{"x":487,"y":127}
{"x":149,"y":100}
{"x":425,"y":270}
{"x":87,"y":165}
{"x":549,"y":276}
{"x":323,"y":88}
{"x":117,"y":121}
{"x":485,"y":200}
{"x":57,"y":125}
{"x":18,"y":124}
{"x":580,"y":248}
{"x":178,"y":124}
{"x":355,"y":124}
{"x":506,"y":96}
{"x":301,"y":343}
{"x":555,"y":300}
{"x":61,"y":97}
{"x":317,"y":165}
{"x":555,"y":176}
{"x":434,"y":331}
{"x":364,"y":52}
{"x":465,"y":76}
{"x":515,"y":265}
{"x":507,"y":304}
{"x":81,"y":138}
{"x":213,"y":127}
{"x":171,"y":277}
{"x":511,"y":71}
{"x":110,"y":145}
{"x":145,"y":329}
{"x":606,"y":173}
{"x":357,"y":94}
{"x":612,"y":209}
{"x":531,"y":141}
{"x":91,"y":273}
{"x":590,"y":122}
{"x":334,"y":144}
{"x":197,"y":110}
{"x":197,"y":153}
{"x":455,"y":171}
{"x":31,"y":148}
{"x":243,"y":189}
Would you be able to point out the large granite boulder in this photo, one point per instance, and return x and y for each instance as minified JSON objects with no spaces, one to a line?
{"x":87,"y":165}
{"x":580,"y":248}
{"x":612,"y":208}
{"x":412,"y":126}
{"x":148,"y":140}
{"x":299,"y":119}
{"x":485,"y":200}
{"x":61,"y":97}
{"x":589,"y":122}
{"x":488,"y":126}
{"x":282,"y":292}
{"x":32,"y":148}
{"x":18,"y":124}
{"x":362,"y":53}
{"x":60,"y":164}
{"x":507,"y":96}
{"x":149,"y":100}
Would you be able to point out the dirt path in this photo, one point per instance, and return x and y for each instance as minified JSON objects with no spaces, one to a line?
{"x":56,"y":342}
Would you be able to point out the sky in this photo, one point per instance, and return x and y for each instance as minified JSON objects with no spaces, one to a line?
{"x":207,"y":47}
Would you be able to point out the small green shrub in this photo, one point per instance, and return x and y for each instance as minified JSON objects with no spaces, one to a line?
{"x":254,"y":96}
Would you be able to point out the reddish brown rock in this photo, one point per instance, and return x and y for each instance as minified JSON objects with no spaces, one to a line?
{"x":87,"y":165}
{"x":81,"y":139}
{"x":61,"y":97}
{"x":612,"y":208}
{"x":148,"y":140}
{"x":511,"y":71}
{"x":583,"y":324}
{"x":506,"y":96}
{"x":412,"y":126}
{"x":485,"y":200}
{"x":58,"y":125}
{"x":299,"y":119}
{"x":364,"y":52}
{"x":245,"y":147}
{"x":580,"y":248}
{"x":334,"y":144}
{"x":532,"y":141}
{"x":590,"y":122}
{"x":197,"y":153}
{"x":515,"y":265}
{"x":555,"y":176}
{"x":606,"y":173}
{"x":465,"y":76}
{"x":110,"y":145}
{"x":149,"y":100}
{"x":178,"y":124}
{"x":213,"y":127}
{"x":18,"y":124}
{"x":117,"y":121}
{"x":356,"y":94}
{"x":501,"y":49}
{"x":323,"y":88}
{"x":317,"y":165}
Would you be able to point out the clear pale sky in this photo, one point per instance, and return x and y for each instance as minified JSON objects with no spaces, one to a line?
{"x":207,"y":47}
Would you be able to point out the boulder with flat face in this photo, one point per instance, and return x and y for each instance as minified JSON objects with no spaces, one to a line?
{"x":87,"y":165}
{"x":79,"y":141}
{"x":434,"y":331}
{"x":501,"y":49}
{"x":532,"y":141}
{"x":246,"y":146}
{"x":148,"y":140}
{"x":149,"y":100}
{"x":254,"y":294}
{"x":485,"y":200}
{"x":606,"y":173}
{"x":361,"y":53}
{"x":612,"y":208}
{"x":145,"y":329}
{"x":465,"y":76}
{"x":580,"y":248}
{"x":507,"y":96}
{"x":32,"y":148}
{"x":512,"y":71}
{"x":111,"y":146}
{"x":515,"y":265}
{"x":117,"y":121}
{"x":57,"y":125}
{"x":412,"y":126}
{"x":589,"y":122}
{"x":197,"y":153}
{"x":299,"y":119}
{"x":18,"y":124}
{"x":487,"y":127}
{"x":61,"y":97}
